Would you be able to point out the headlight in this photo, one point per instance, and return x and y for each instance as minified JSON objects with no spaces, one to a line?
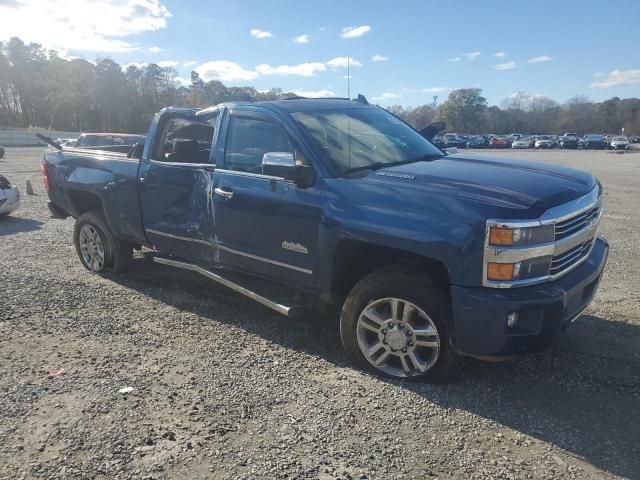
{"x":505,"y":272}
{"x":503,"y":236}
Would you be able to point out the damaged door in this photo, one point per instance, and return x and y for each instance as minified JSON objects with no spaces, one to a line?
{"x":176,"y":186}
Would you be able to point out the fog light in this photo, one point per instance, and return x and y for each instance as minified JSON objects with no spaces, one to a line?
{"x":512,"y":319}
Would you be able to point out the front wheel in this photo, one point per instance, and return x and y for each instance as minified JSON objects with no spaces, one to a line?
{"x":99,"y":250}
{"x":395,"y":322}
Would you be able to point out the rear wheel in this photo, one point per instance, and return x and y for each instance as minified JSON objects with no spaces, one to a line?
{"x":99,"y":250}
{"x":396,"y":322}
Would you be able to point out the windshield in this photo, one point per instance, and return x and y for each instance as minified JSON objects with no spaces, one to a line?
{"x":354,"y":138}
{"x":619,"y":139}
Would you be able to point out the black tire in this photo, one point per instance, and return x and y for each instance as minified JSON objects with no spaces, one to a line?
{"x":412,"y":285}
{"x":117,"y":254}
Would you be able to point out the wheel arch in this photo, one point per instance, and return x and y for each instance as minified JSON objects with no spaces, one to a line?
{"x":353,"y":260}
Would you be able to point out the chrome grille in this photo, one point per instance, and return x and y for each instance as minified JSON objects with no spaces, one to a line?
{"x":564,"y":261}
{"x":574,"y":224}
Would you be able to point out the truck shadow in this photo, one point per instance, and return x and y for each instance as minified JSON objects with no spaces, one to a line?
{"x":10,"y":225}
{"x":582,"y":396}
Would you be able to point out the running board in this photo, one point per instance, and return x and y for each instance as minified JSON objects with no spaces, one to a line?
{"x":282,"y":309}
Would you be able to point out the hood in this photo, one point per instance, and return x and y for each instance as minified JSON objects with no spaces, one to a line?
{"x":530,"y":187}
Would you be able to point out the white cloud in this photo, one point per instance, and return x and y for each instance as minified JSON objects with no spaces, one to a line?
{"x":167,"y":63}
{"x":182,"y":81}
{"x":96,"y":26}
{"x":307,"y":69}
{"x":189,"y":63}
{"x":341,"y":62}
{"x":224,"y":71}
{"x":387,"y":96}
{"x":156,"y":49}
{"x":454,"y":59}
{"x":617,"y":78}
{"x":227,"y":71}
{"x":471,"y":55}
{"x":304,"y":38}
{"x":315,"y":93}
{"x":379,"y":58}
{"x":500,"y":54}
{"x":354,"y":32}
{"x":540,"y":59}
{"x":257,"y":33}
{"x":505,"y":66}
{"x":437,"y":89}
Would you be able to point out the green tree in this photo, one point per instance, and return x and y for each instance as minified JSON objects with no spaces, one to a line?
{"x":464,"y":110}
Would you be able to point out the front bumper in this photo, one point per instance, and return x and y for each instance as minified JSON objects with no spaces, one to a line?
{"x":480,"y":313}
{"x":9,"y":200}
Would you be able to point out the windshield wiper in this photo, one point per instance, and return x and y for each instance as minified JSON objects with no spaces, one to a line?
{"x":379,"y":165}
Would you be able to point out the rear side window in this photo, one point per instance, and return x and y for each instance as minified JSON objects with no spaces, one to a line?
{"x":249,"y":139}
{"x":185,"y":141}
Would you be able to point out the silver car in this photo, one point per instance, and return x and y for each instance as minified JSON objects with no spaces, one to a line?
{"x":523,"y":142}
{"x":620,"y":143}
{"x":9,"y":197}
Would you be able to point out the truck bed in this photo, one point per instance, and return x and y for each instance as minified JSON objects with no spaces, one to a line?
{"x":83,"y":179}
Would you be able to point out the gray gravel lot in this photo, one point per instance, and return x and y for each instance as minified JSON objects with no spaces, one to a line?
{"x":223,"y":388}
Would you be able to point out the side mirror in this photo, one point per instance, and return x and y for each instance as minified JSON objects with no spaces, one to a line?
{"x":432,"y":129}
{"x":283,"y":164}
{"x":136,"y":151}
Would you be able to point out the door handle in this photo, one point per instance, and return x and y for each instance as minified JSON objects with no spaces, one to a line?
{"x":223,"y":193}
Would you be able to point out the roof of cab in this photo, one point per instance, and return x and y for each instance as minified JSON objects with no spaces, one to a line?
{"x":296,"y":104}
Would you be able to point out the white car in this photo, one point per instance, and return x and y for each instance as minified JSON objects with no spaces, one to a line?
{"x":523,"y":142}
{"x":544,"y":141}
{"x":620,"y":143}
{"x":9,"y":197}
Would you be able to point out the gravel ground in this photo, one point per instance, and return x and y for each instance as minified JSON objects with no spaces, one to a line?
{"x":224,"y":388}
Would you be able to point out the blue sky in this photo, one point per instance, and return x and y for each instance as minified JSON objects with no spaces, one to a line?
{"x":423,"y":48}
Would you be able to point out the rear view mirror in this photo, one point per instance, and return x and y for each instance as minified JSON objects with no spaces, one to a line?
{"x":432,"y":129}
{"x":283,"y":165}
{"x":136,"y":151}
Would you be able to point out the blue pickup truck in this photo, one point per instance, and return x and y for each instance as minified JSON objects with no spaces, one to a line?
{"x":309,"y":204}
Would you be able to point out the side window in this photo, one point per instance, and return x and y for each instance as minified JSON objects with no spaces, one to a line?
{"x":249,"y":139}
{"x":185,"y":141}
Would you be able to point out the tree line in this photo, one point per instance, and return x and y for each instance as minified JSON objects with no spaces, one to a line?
{"x":466,"y":111}
{"x":40,"y":88}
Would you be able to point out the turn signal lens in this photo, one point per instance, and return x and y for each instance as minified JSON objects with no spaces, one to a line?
{"x":500,"y":271}
{"x":501,"y":236}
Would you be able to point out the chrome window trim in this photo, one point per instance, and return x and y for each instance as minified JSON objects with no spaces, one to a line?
{"x":560,"y":213}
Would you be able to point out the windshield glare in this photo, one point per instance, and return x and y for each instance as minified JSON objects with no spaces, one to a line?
{"x":358,"y":137}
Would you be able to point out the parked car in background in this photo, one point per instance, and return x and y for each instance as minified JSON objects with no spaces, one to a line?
{"x":634,"y":139}
{"x":476,"y":141}
{"x":453,"y":140}
{"x":9,"y":197}
{"x":67,"y":142}
{"x":510,"y":258}
{"x":1,"y":151}
{"x":620,"y":143}
{"x":438,"y":141}
{"x":593,"y":141}
{"x":522,"y":142}
{"x":498,"y":142}
{"x":113,"y":142}
{"x":569,"y":140}
{"x":543,"y":141}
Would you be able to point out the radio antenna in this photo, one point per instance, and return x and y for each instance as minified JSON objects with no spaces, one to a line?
{"x":349,"y":104}
{"x":349,"y":77}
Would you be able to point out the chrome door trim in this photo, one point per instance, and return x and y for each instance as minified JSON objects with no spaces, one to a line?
{"x":231,"y":250}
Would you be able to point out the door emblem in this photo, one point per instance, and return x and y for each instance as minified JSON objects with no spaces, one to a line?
{"x":295,"y":247}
